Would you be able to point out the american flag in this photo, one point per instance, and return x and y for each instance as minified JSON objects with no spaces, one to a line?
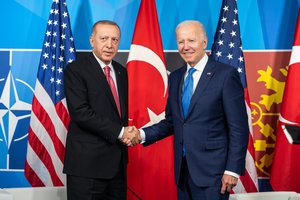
{"x":49,"y":116}
{"x":227,"y":48}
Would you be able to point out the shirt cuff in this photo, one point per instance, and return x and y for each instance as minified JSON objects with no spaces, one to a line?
{"x":121,"y":133}
{"x":232,"y":174}
{"x":143,"y":136}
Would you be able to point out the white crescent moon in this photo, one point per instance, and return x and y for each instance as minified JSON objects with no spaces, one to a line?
{"x":141,"y":53}
{"x":295,"y":56}
{"x":285,"y":120}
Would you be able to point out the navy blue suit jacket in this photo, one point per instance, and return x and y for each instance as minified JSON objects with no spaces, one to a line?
{"x":215,"y":132}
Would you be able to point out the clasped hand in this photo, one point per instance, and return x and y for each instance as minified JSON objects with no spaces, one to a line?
{"x":131,"y":136}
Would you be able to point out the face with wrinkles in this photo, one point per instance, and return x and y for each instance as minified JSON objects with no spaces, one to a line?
{"x":105,"y":41}
{"x":191,"y":42}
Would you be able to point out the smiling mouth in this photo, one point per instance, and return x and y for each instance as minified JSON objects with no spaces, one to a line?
{"x":188,"y":54}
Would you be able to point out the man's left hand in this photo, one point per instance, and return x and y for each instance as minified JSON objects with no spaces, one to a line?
{"x":228,"y":182}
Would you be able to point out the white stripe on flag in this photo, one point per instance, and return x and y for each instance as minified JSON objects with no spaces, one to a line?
{"x":251,"y":168}
{"x":239,"y":188}
{"x":45,"y":139}
{"x":64,"y":102}
{"x":46,"y":102}
{"x":38,"y":166}
{"x":249,"y":118}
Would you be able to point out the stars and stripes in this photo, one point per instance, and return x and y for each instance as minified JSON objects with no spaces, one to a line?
{"x":227,"y":48}
{"x":49,"y":116}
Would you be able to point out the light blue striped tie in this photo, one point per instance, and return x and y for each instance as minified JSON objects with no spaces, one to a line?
{"x":187,"y":95}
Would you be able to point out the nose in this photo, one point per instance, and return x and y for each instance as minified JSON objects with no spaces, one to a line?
{"x":186,"y":45}
{"x":109,"y":43}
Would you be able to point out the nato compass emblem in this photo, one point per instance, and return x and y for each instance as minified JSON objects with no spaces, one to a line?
{"x":14,"y":117}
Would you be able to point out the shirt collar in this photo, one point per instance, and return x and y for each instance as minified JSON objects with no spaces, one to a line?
{"x":102,"y":64}
{"x":200,"y":65}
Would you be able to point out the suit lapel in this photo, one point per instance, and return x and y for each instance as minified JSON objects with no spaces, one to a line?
{"x":103,"y":82}
{"x":206,"y":76}
{"x":120,"y":87}
{"x":180,"y":88}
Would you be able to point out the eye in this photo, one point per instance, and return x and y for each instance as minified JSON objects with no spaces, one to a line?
{"x":103,"y":39}
{"x":115,"y":40}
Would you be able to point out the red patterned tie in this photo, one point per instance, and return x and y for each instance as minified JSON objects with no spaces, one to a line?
{"x":112,"y":86}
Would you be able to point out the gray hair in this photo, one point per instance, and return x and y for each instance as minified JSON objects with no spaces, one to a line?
{"x":107,"y":22}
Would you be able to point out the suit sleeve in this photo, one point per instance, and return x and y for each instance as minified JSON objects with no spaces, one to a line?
{"x":237,"y":122}
{"x":81,"y":112}
{"x":162,"y":129}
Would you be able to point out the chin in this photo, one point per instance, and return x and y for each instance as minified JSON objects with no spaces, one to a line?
{"x":189,"y":61}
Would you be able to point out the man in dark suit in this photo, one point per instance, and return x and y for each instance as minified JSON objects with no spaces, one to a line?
{"x":206,"y":112}
{"x":97,"y":97}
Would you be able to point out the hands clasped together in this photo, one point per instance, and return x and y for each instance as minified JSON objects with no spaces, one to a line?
{"x":131,"y":136}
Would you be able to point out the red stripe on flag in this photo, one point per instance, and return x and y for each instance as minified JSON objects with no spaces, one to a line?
{"x":32,"y":177}
{"x":63,"y":114}
{"x":251,"y":147}
{"x":248,"y":183}
{"x":44,"y":156}
{"x":44,"y":118}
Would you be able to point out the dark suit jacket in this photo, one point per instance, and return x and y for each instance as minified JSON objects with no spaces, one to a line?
{"x":92,"y":148}
{"x":215,"y":132}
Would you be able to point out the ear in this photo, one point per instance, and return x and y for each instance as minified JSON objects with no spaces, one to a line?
{"x":204,"y":44}
{"x":92,"y":41}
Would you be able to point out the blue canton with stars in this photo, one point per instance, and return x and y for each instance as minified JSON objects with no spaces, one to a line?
{"x":227,"y":46}
{"x":58,"y":50}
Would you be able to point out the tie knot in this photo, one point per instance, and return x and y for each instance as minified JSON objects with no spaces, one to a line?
{"x":107,"y":70}
{"x":192,"y":70}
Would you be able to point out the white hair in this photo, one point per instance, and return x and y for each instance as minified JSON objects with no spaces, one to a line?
{"x":192,"y":22}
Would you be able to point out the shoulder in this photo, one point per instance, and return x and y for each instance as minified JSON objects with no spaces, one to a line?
{"x":118,"y":66}
{"x":119,"y":69}
{"x":82,"y":62}
{"x":178,"y":72}
{"x":222,"y":68}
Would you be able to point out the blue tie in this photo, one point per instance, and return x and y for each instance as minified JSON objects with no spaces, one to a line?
{"x":187,"y":95}
{"x":187,"y":91}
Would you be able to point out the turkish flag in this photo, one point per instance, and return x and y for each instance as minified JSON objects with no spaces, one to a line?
{"x":150,"y":169}
{"x":285,"y":173}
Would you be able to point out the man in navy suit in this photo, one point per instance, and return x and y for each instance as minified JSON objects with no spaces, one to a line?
{"x":206,"y":112}
{"x":97,"y":97}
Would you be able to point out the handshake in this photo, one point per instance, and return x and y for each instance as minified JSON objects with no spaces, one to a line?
{"x":131,"y":136}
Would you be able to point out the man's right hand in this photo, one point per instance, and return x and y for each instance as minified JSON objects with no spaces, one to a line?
{"x":131,"y":136}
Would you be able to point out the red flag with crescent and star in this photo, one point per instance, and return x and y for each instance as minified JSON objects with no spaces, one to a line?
{"x":150,"y":169}
{"x":285,"y":174}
